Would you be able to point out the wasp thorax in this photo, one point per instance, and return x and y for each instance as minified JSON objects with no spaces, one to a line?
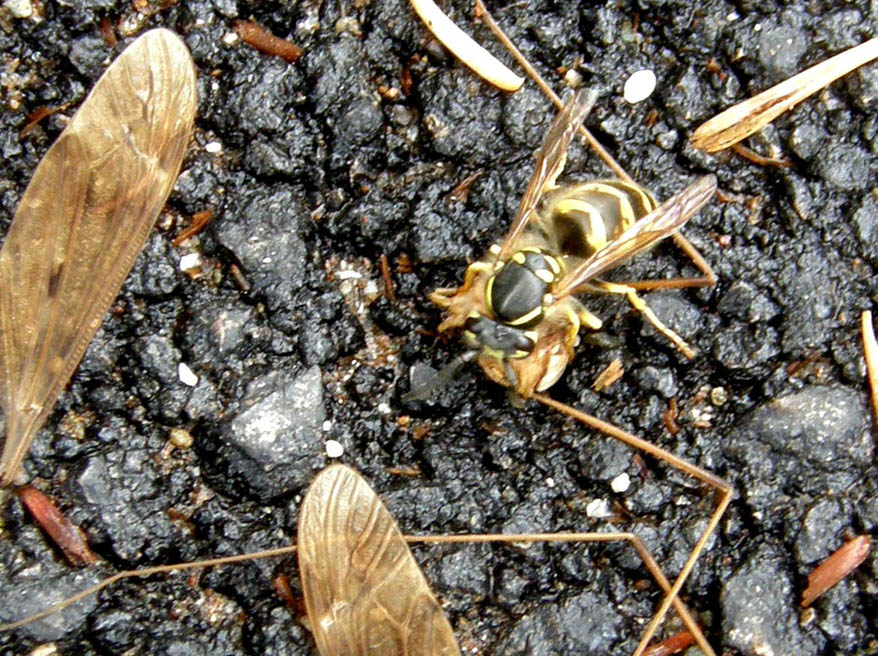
{"x":516,"y":291}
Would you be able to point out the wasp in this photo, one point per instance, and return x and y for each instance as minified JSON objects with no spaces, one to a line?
{"x":517,"y":307}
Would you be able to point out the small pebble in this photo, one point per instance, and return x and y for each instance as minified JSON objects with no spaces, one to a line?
{"x":599,"y":509}
{"x":190,"y":261}
{"x":334,"y":449}
{"x":182,"y":439}
{"x":621,"y":483}
{"x":639,"y":86}
{"x":186,"y":375}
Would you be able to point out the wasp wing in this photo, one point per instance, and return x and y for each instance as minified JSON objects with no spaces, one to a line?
{"x":81,"y":222}
{"x":365,"y":594}
{"x":550,"y":162}
{"x":658,"y":224}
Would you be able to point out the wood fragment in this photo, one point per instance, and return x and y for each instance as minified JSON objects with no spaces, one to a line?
{"x":264,"y":41}
{"x":611,"y":373}
{"x":35,"y":117}
{"x":66,"y":535}
{"x":461,"y":192}
{"x":106,"y":28}
{"x":870,"y":352}
{"x":462,"y":46}
{"x":745,"y":118}
{"x":669,"y":416}
{"x":835,"y":568}
{"x":752,"y":156}
{"x":385,"y":274}
{"x":672,"y":645}
{"x":199,"y":223}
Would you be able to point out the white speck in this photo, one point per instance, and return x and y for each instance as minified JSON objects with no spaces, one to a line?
{"x":327,"y":426}
{"x":621,"y":483}
{"x":213,"y":147}
{"x":599,"y":509}
{"x":190,"y":261}
{"x":732,"y":17}
{"x":230,"y":38}
{"x":550,"y":482}
{"x":572,"y":78}
{"x":19,"y":8}
{"x":757,"y":27}
{"x":639,"y":86}
{"x":334,"y":449}
{"x":384,"y":409}
{"x":186,"y":375}
{"x":349,"y":275}
{"x":371,"y":287}
{"x":182,"y":439}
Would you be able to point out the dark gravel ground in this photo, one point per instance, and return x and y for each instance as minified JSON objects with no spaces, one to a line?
{"x":315,"y":169}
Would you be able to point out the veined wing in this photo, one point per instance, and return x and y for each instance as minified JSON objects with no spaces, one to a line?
{"x":81,"y":223}
{"x":658,"y":224}
{"x":365,"y":594}
{"x":550,"y":162}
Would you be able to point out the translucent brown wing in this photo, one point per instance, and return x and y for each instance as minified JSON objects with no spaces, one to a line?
{"x":83,"y":218}
{"x":364,"y":592}
{"x":658,"y":224}
{"x":550,"y":162}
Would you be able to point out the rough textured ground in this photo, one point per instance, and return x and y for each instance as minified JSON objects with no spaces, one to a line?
{"x":315,"y":169}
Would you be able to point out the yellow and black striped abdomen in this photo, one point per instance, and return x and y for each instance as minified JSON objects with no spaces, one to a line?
{"x":584,"y":217}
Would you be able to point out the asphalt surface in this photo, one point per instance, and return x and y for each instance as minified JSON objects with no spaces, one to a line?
{"x":315,"y":169}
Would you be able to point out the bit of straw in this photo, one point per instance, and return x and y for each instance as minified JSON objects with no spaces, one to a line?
{"x":742,"y":120}
{"x":832,"y":570}
{"x":870,"y":351}
{"x":462,"y":46}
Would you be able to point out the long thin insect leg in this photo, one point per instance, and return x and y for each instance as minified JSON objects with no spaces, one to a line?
{"x":723,"y":488}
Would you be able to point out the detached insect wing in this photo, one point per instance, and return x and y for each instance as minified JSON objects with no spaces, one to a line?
{"x":81,"y":223}
{"x":365,"y":594}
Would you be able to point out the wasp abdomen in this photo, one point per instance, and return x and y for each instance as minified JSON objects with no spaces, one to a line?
{"x":586,"y":216}
{"x":515,"y":293}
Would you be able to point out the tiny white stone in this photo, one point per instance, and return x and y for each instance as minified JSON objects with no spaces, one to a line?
{"x":550,"y":482}
{"x":19,"y":8}
{"x":621,"y":483}
{"x":349,"y":274}
{"x":384,"y":409}
{"x":230,"y":38}
{"x":371,"y":287}
{"x":334,"y":449}
{"x":327,"y":426}
{"x":190,"y":261}
{"x":639,"y":86}
{"x":599,"y":509}
{"x":186,"y":375}
{"x":213,"y":147}
{"x":573,"y":78}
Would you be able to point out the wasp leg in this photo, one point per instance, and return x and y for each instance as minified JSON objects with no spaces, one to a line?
{"x":640,"y":305}
{"x":444,"y":295}
{"x":723,"y":489}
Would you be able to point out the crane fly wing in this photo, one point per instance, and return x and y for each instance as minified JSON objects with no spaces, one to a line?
{"x":365,"y":594}
{"x":550,"y":162}
{"x":655,"y":226}
{"x":81,"y":223}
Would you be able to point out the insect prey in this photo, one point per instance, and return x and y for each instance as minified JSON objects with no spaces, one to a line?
{"x":91,"y":203}
{"x":517,"y":307}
